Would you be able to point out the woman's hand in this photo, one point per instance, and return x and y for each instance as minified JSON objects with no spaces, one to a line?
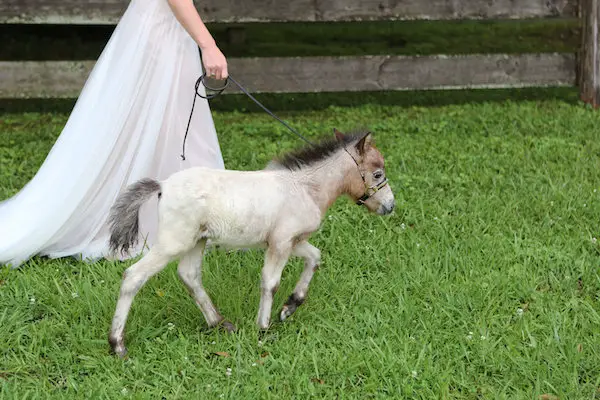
{"x":215,"y":63}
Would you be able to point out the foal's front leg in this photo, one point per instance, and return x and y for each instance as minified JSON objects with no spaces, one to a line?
{"x":190,"y":273}
{"x":312,"y":258}
{"x":275,"y":259}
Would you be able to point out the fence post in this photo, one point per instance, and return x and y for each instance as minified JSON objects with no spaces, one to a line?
{"x":589,"y":60}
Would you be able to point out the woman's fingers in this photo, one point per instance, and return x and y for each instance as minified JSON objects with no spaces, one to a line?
{"x":218,"y":73}
{"x":224,"y":72}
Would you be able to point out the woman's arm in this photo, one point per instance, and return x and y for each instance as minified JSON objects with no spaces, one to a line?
{"x":214,"y":61}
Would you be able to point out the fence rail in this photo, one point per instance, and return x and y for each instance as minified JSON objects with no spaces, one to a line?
{"x":109,"y":11}
{"x":29,"y":79}
{"x":325,"y":74}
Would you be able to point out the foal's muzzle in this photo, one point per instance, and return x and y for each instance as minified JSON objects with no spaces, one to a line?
{"x":386,"y":209}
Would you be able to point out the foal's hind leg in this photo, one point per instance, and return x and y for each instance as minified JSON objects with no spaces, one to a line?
{"x":134,"y":278}
{"x":190,"y":272}
{"x":312,"y":258}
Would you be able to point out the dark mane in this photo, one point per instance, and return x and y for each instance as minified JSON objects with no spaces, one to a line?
{"x":298,"y":159}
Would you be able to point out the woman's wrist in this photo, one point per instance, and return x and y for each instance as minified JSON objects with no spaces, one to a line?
{"x":206,"y":43}
{"x":188,"y":16}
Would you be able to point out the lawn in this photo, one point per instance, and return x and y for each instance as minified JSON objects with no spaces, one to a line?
{"x":484,"y":283}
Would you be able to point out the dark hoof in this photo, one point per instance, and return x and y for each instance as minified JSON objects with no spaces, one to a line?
{"x":118,"y":347}
{"x":227,"y":326}
{"x":264,"y":333}
{"x":290,"y":307}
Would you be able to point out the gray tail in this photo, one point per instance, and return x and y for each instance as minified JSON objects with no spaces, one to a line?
{"x":123,"y":219}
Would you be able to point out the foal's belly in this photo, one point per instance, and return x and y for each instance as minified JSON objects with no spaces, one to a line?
{"x":238,"y":229}
{"x":245,"y":239}
{"x":233,"y":244}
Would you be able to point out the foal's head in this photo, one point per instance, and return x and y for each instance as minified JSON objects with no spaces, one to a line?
{"x":368,"y":185}
{"x":364,"y":177}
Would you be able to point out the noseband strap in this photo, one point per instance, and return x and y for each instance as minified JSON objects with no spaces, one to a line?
{"x":370,"y":191}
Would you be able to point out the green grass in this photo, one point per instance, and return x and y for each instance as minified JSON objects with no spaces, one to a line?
{"x":319,"y":39}
{"x":484,"y":284}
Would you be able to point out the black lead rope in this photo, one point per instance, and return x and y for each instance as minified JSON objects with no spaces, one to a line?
{"x":218,"y":91}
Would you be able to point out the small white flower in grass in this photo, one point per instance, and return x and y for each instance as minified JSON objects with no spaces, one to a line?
{"x":124,"y":391}
{"x":74,"y":295}
{"x":418,"y":245}
{"x":519,"y":312}
{"x":585,"y":205}
{"x":213,"y":342}
{"x":260,"y":343}
{"x":436,"y":219}
{"x":414,"y":373}
{"x":228,"y":372}
{"x":402,"y":226}
{"x":594,"y":240}
{"x":370,"y":230}
{"x":254,"y":364}
{"x":32,"y":300}
{"x":470,"y":336}
{"x":483,"y":337}
{"x":171,"y":326}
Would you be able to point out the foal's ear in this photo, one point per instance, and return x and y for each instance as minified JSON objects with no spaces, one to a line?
{"x":364,"y":144}
{"x":339,"y":136}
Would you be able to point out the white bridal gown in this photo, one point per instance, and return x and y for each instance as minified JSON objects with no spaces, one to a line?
{"x":128,"y":123}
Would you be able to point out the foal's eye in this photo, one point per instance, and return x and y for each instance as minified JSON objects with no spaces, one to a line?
{"x":377,"y":174}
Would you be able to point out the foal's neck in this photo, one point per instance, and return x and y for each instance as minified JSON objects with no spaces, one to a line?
{"x":329,"y":179}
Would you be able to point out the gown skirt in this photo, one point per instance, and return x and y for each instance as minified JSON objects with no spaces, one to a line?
{"x":128,"y":123}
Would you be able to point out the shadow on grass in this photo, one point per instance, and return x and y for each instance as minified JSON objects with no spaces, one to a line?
{"x":320,"y":101}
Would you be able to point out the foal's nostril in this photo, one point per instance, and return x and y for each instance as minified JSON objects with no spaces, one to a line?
{"x":388,"y":208}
